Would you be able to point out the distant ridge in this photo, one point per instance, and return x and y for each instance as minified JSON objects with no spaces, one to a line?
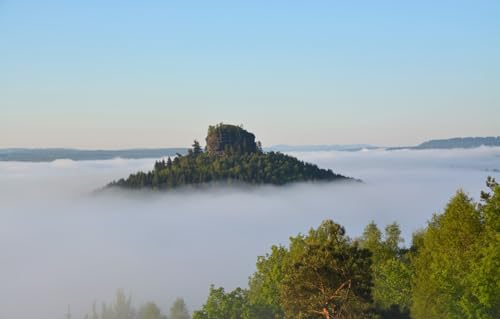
{"x":52,"y":154}
{"x":321,"y":148}
{"x":462,"y":142}
{"x":456,"y":142}
{"x":450,"y":143}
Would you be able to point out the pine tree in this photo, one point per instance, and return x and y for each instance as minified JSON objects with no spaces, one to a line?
{"x":196,"y":148}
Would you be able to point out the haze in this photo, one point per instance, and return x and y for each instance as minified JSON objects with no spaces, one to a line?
{"x":61,"y":244}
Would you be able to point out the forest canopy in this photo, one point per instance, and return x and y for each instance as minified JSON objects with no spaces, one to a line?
{"x":231,"y":155}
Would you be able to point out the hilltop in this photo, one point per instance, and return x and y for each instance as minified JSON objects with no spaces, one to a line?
{"x":231,"y":155}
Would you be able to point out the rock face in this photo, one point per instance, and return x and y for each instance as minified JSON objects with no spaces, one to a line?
{"x":225,"y":138}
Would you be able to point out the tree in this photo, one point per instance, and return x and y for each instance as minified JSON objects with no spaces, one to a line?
{"x":482,"y":301}
{"x":392,"y":287}
{"x":393,"y":239}
{"x":150,"y":311}
{"x":372,"y":241}
{"x":265,"y":284}
{"x":122,"y":307}
{"x":259,"y":146}
{"x":159,"y":165}
{"x":326,"y":276}
{"x":390,"y":270}
{"x":179,"y":310}
{"x":444,"y":261}
{"x":196,"y":148}
{"x":222,"y":305}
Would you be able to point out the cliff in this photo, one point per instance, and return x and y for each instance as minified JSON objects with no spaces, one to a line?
{"x":230,"y":139}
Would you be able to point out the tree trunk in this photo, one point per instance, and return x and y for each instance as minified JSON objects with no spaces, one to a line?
{"x":326,"y":313}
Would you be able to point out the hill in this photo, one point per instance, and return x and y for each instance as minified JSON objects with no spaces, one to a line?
{"x":460,"y":142}
{"x":52,"y":154}
{"x":231,"y":156}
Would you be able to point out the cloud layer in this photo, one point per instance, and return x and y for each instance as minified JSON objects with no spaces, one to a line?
{"x":63,"y":245}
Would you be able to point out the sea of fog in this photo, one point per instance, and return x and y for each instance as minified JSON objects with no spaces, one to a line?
{"x":61,"y":244}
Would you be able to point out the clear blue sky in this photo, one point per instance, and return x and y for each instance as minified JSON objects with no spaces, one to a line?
{"x":112,"y":74}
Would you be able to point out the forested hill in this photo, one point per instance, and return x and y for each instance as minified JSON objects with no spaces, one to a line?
{"x":231,"y":156}
{"x":461,"y":142}
{"x":451,"y":143}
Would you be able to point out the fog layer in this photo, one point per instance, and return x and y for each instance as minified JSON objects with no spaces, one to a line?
{"x":60,"y":244}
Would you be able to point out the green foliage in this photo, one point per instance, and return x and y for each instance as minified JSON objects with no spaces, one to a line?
{"x":445,"y":260}
{"x":392,"y":285}
{"x":250,"y":168}
{"x":392,"y":239}
{"x":391,"y":270}
{"x":222,"y":305}
{"x":482,"y":299}
{"x":326,"y":275}
{"x":372,"y":240}
{"x":323,"y":274}
{"x":265,"y":284}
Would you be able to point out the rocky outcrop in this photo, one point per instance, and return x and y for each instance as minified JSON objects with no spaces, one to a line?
{"x":225,"y":138}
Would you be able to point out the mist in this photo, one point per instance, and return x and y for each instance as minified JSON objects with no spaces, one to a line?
{"x":62,"y":244}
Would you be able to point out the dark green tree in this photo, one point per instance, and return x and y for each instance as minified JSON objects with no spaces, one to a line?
{"x":196,"y":148}
{"x":326,"y":276}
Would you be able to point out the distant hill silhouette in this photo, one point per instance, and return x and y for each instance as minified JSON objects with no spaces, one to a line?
{"x":52,"y":154}
{"x":456,"y":142}
{"x":461,"y":142}
{"x":222,"y":138}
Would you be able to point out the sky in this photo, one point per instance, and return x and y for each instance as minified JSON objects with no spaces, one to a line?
{"x":120,"y":74}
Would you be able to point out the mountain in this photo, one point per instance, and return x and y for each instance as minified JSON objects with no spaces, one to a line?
{"x":460,"y":142}
{"x":51,"y":154}
{"x":231,"y":156}
{"x":451,"y":143}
